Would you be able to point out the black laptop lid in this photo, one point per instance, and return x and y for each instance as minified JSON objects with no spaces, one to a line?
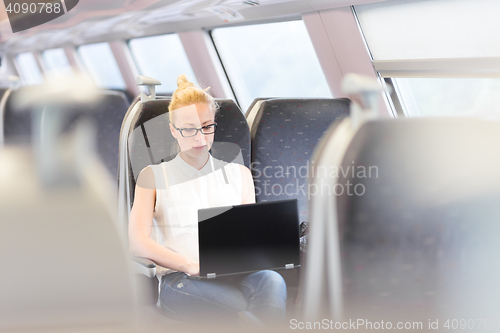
{"x":248,"y":238}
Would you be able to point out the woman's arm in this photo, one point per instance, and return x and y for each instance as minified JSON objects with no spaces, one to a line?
{"x":247,"y":187}
{"x":141,"y":226}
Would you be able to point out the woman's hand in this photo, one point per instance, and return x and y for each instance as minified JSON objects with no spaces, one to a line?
{"x":192,"y":268}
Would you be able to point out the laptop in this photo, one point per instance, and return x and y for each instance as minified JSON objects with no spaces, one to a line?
{"x":248,"y":238}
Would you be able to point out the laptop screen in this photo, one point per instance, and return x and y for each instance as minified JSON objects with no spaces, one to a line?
{"x":248,"y":237}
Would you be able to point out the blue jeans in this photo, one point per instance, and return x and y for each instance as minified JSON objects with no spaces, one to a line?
{"x":262,"y":293}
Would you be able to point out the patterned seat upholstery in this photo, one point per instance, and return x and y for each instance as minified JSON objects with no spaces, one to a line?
{"x":284,"y":135}
{"x":254,"y":103}
{"x":106,"y":112}
{"x":420,"y":232}
{"x":150,"y":140}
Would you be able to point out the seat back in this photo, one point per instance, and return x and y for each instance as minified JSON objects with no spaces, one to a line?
{"x":253,"y":108}
{"x":150,"y":140}
{"x":17,"y":121}
{"x":106,"y":111}
{"x":419,"y":230}
{"x":107,"y":114}
{"x":4,"y":94}
{"x":284,"y":134}
{"x":64,"y":262}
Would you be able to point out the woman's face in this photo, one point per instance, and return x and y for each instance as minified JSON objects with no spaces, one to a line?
{"x":193,"y":116}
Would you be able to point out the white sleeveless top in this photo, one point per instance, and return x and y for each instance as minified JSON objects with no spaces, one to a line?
{"x":180,"y":191}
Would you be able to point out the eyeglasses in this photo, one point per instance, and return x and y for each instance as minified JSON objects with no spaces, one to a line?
{"x":189,"y":132}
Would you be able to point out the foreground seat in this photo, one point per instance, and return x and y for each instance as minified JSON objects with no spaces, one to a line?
{"x":416,"y":236}
{"x":64,"y":264}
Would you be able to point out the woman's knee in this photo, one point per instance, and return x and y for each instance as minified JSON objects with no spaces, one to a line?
{"x":268,"y":282}
{"x":268,"y":300}
{"x":274,"y":278}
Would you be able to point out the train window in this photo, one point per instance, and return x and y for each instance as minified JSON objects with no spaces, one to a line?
{"x":440,"y":55}
{"x":100,"y":62}
{"x":431,"y":29}
{"x":163,"y":58}
{"x":449,"y":97}
{"x":270,"y":60}
{"x":28,"y":67}
{"x":56,"y":63}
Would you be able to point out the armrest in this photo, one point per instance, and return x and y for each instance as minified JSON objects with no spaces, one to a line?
{"x":151,"y":83}
{"x":144,"y":266}
{"x":145,"y":262}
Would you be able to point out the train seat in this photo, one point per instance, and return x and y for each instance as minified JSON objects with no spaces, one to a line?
{"x":64,"y":263}
{"x":149,"y":141}
{"x":106,"y":111}
{"x":284,"y":135}
{"x":253,"y":108}
{"x":411,"y":232}
{"x":17,"y":123}
{"x":4,"y":95}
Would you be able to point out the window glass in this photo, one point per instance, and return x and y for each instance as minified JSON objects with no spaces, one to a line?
{"x":444,"y":97}
{"x":101,"y":64}
{"x":270,"y":60}
{"x":56,"y":63}
{"x":30,"y":72}
{"x":163,"y":58}
{"x":415,"y":29}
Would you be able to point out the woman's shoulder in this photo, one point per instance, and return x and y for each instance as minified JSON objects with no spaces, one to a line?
{"x":148,"y":175}
{"x":161,"y":166}
{"x":146,"y":178}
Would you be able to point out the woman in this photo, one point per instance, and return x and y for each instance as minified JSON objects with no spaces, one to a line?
{"x":163,"y":222}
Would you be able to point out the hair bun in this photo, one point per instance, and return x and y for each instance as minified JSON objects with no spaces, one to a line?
{"x":188,"y":93}
{"x":183,"y":82}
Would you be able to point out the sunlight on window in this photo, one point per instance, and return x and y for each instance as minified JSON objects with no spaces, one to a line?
{"x":101,"y":64}
{"x":163,"y":58}
{"x":30,"y":72}
{"x":270,"y":60}
{"x":444,"y":97}
{"x":56,"y":63}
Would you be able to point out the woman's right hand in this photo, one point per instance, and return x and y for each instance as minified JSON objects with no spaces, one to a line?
{"x":193,"y":268}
